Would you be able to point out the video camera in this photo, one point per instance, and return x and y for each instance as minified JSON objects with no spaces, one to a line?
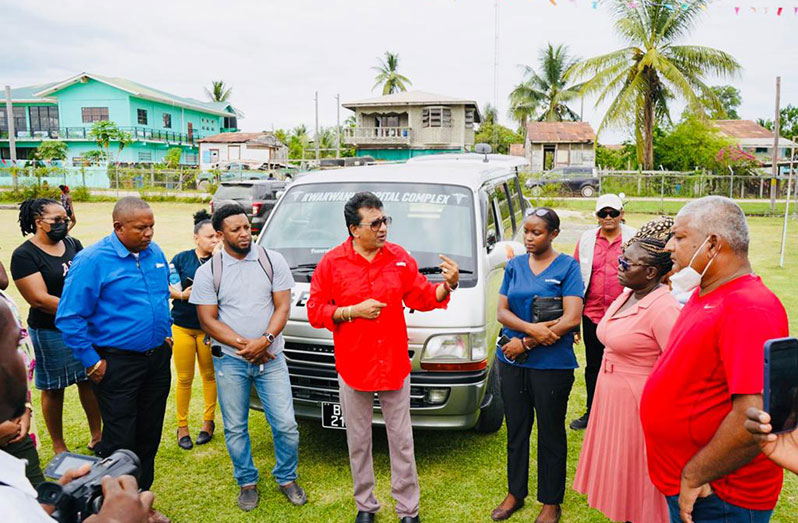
{"x":83,"y":497}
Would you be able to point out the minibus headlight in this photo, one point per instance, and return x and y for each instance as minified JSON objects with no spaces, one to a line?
{"x":456,"y":347}
{"x":447,"y":347}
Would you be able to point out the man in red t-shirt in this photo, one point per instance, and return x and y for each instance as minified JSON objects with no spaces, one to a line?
{"x":694,"y":404}
{"x":358,"y":291}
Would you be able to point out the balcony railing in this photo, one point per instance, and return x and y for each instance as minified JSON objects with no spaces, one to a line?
{"x":140,"y":134}
{"x":377,"y":135}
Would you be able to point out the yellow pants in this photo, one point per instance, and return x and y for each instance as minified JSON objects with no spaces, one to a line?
{"x":188,"y":343}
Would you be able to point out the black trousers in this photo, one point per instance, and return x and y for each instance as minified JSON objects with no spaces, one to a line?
{"x":132,"y":398}
{"x":26,"y":450}
{"x":594,"y":353}
{"x":527,"y":392}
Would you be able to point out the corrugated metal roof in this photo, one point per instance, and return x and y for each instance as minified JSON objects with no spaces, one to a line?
{"x":749,"y":132}
{"x":261,"y":138}
{"x":410,"y":98}
{"x":43,"y":91}
{"x":560,"y":132}
{"x":742,"y":129}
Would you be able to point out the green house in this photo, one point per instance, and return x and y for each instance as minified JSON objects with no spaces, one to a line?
{"x":155,"y":120}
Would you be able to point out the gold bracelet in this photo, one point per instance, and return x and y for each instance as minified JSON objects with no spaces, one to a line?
{"x":349,"y":314}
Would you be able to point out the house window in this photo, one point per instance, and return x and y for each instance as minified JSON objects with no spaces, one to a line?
{"x":94,"y":114}
{"x":43,"y":119}
{"x":230,"y":122}
{"x":20,"y":121}
{"x":387,"y":121}
{"x":436,"y":117}
{"x":145,"y":156}
{"x":469,"y":118}
{"x":167,"y":121}
{"x":142,"y":116}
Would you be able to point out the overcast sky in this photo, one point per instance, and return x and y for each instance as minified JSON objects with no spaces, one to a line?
{"x":276,"y":53}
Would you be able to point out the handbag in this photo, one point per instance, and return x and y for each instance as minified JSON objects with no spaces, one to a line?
{"x":546,"y":308}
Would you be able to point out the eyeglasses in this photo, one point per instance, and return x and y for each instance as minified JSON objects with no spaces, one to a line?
{"x":377,"y":224}
{"x":612,"y":213}
{"x":624,"y":264}
{"x":56,"y":221}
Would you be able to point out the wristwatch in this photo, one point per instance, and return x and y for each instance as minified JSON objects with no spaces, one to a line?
{"x":269,"y":337}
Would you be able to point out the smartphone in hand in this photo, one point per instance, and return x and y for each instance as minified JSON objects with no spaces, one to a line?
{"x":780,"y":392}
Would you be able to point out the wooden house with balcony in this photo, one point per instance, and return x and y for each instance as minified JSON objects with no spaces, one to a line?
{"x":402,"y":125}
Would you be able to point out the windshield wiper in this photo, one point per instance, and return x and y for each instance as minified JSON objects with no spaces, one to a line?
{"x":437,"y":270}
{"x":305,"y":266}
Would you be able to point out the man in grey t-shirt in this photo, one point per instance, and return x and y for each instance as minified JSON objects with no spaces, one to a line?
{"x":245,"y":316}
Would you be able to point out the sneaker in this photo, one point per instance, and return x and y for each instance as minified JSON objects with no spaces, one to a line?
{"x":248,"y":498}
{"x":580,"y":423}
{"x":294,"y":493}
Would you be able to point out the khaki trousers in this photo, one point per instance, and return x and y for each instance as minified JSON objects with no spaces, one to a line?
{"x":358,"y":408}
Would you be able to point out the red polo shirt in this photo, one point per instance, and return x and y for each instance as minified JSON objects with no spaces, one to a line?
{"x":370,"y":355}
{"x":715,"y":351}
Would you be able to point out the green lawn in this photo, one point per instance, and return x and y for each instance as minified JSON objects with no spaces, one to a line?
{"x":462,"y":474}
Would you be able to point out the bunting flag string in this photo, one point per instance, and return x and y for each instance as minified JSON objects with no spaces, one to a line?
{"x":681,"y":5}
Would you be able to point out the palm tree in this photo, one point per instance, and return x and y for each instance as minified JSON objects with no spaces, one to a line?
{"x":545,"y":91}
{"x":218,"y":92}
{"x":642,"y":78}
{"x":488,"y":114}
{"x":387,"y":75}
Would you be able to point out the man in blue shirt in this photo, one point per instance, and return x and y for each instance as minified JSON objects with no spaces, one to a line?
{"x":114,"y":315}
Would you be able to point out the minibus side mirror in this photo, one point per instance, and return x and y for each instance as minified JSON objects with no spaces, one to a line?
{"x":503,"y":252}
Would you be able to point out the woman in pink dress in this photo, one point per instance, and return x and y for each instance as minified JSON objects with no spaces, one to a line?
{"x":612,"y":469}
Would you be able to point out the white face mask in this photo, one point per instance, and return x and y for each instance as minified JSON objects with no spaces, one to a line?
{"x":687,"y":280}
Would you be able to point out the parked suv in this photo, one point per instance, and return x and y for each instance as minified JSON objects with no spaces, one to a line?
{"x":581,"y":180}
{"x":468,"y":206}
{"x":256,"y":196}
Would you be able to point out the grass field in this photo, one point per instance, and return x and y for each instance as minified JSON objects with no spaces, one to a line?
{"x":462,"y":474}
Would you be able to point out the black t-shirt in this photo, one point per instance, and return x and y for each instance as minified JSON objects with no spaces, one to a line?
{"x":184,"y":313}
{"x":29,"y":259}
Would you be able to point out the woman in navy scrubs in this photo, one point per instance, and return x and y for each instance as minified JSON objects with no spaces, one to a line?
{"x":537,"y":365}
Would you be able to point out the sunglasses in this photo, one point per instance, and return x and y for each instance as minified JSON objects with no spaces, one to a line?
{"x":612,"y":213}
{"x":537,"y":212}
{"x":624,"y":264}
{"x":377,"y":224}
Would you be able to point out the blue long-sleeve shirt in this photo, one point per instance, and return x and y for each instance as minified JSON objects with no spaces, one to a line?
{"x":112,"y":299}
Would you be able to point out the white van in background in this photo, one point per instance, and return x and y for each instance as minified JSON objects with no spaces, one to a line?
{"x":467,"y":206}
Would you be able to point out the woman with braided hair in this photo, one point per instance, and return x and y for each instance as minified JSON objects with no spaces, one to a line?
{"x":39,"y":268}
{"x":612,"y":469}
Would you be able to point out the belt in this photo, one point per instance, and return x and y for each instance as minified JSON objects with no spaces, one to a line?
{"x":610,"y":367}
{"x":122,"y":352}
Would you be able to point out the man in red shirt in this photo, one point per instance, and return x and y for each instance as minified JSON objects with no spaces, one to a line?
{"x":694,"y":404}
{"x":358,"y":291}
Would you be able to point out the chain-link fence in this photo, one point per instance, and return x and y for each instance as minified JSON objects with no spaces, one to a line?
{"x":656,"y":184}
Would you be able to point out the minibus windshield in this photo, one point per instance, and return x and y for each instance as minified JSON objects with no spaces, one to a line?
{"x":428,"y":220}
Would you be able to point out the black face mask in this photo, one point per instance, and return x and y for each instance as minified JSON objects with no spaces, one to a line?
{"x":58,"y":231}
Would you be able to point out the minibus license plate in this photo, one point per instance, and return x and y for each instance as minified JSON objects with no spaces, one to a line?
{"x":332,"y":416}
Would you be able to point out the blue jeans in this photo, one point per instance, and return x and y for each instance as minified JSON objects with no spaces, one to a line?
{"x":712,"y":509}
{"x":234,"y":379}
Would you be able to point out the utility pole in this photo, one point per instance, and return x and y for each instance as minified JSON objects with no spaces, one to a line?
{"x":12,"y":142}
{"x":787,"y":208}
{"x":496,"y":75}
{"x":338,"y":125}
{"x":316,"y":139}
{"x":775,"y":155}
